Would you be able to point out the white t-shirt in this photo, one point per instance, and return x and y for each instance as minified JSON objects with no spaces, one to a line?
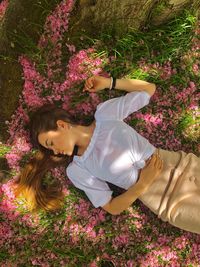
{"x":116,"y":151}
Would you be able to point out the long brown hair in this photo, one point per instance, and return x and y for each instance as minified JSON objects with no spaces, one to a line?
{"x":29,"y":182}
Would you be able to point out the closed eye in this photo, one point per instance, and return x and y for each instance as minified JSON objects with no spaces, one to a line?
{"x":51,"y":144}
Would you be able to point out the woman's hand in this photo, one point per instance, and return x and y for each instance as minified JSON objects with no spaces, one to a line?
{"x":151,"y":171}
{"x":96,"y":83}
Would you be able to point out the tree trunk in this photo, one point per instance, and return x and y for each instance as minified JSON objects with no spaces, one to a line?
{"x":94,"y":16}
{"x":25,"y":18}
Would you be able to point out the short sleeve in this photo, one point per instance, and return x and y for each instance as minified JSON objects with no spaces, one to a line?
{"x":121,"y":107}
{"x":96,"y":190}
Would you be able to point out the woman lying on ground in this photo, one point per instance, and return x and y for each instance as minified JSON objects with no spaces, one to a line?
{"x":109,"y":150}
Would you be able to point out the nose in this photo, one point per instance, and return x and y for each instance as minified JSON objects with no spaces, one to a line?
{"x":55,"y":151}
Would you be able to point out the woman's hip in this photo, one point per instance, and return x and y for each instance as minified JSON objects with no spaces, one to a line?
{"x":179,"y":178}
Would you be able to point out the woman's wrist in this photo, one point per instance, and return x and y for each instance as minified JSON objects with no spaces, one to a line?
{"x":107,"y":82}
{"x":112,"y":83}
{"x":131,"y":85}
{"x":141,"y":185}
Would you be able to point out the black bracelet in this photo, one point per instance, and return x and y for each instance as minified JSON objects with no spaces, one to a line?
{"x":114,"y":83}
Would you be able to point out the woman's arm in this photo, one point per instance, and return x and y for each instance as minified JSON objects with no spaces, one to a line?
{"x":125,"y":200}
{"x":97,"y":83}
{"x":131,"y":85}
{"x":149,"y":173}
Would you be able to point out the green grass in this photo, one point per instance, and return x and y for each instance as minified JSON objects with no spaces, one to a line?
{"x":167,"y":42}
{"x":4,"y":150}
{"x":157,"y":44}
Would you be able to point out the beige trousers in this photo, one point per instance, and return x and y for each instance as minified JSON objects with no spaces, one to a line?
{"x":175,"y":195}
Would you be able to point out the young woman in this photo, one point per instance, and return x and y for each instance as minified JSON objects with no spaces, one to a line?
{"x":108,"y":150}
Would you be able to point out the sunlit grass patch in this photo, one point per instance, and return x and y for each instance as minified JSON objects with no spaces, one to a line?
{"x":4,"y":150}
{"x":189,"y":125}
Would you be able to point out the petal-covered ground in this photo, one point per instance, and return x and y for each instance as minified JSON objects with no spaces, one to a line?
{"x":79,"y":235}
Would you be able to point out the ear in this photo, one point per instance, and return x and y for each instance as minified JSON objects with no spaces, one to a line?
{"x":62,"y":124}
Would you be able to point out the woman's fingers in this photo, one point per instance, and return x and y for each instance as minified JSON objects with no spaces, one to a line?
{"x":154,"y":158}
{"x":157,"y":161}
{"x":95,"y":83}
{"x":162,"y":164}
{"x":151,"y":161}
{"x":87,"y":87}
{"x":89,"y":84}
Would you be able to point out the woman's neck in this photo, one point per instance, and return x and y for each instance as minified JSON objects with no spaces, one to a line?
{"x":85,"y":135}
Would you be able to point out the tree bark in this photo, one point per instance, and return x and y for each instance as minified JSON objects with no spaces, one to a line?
{"x":96,"y":16}
{"x":24,"y":18}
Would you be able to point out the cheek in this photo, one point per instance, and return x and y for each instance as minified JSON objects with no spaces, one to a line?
{"x":64,"y":141}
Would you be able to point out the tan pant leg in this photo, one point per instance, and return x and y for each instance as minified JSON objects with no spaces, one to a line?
{"x":153,"y":197}
{"x":175,"y":195}
{"x":183,"y":207}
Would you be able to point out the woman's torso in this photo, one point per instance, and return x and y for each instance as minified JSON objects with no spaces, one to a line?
{"x":115,"y":153}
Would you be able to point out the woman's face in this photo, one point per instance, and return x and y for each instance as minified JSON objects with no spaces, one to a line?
{"x":60,"y":141}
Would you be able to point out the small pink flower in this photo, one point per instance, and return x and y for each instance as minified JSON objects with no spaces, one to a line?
{"x":3,"y":7}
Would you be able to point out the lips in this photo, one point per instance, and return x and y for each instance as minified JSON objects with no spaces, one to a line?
{"x":62,"y":152}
